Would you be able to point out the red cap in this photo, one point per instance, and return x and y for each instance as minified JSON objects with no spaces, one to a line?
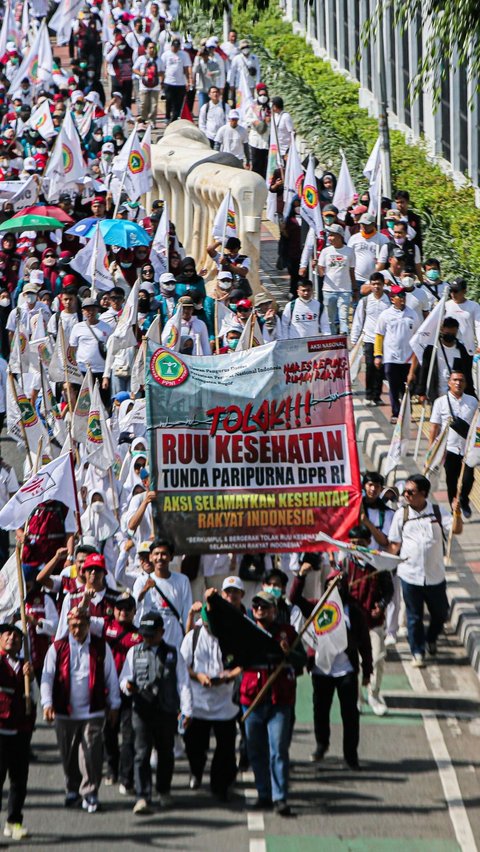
{"x":95,"y":560}
{"x":359,"y":209}
{"x":396,"y":290}
{"x":99,"y":199}
{"x":261,"y":87}
{"x":68,"y":279}
{"x":244,"y":303}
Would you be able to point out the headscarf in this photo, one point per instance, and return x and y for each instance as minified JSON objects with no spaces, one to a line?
{"x":100,"y":523}
{"x":326,"y":195}
{"x":195,"y":278}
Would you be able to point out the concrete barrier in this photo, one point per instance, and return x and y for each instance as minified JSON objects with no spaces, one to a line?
{"x":194,"y":180}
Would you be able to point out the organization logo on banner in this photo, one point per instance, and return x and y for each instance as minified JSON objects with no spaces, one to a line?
{"x":39,"y":485}
{"x":310,"y":196}
{"x":94,"y":428}
{"x":327,"y":619}
{"x":27,"y":411}
{"x":168,"y":369}
{"x":67,"y":159}
{"x":136,"y":163}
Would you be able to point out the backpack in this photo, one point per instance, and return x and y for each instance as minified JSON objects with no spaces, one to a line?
{"x":150,"y":77}
{"x":437,"y":514}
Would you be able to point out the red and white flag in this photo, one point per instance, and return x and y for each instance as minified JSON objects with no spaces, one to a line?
{"x":54,"y":481}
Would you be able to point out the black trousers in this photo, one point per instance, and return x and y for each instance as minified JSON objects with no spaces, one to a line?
{"x":324,"y":688}
{"x":259,"y":160}
{"x":125,"y":89}
{"x":197,"y":743}
{"x":453,"y":465}
{"x":396,"y":375}
{"x":154,"y":731}
{"x":14,"y":759}
{"x":174,"y":98}
{"x":373,"y":377}
{"x":119,"y":757}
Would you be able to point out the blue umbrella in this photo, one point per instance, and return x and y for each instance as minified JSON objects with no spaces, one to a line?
{"x":83,"y":227}
{"x":122,"y":232}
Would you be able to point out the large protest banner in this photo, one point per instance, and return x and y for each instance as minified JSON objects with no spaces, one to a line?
{"x":254,"y":451}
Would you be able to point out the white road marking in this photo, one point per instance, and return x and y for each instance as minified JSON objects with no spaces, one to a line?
{"x":257,"y":845}
{"x":255,"y":822}
{"x":448,"y":778}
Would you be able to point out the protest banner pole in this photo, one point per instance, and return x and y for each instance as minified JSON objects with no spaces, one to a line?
{"x":429,"y":379}
{"x":450,"y":534}
{"x":44,"y":394}
{"x":279,"y":158}
{"x":215,"y":319}
{"x":114,"y":494}
{"x":225,"y":224}
{"x":274,"y":675}
{"x":65,"y":369}
{"x":75,"y":491}
{"x":124,"y":175}
{"x":22,"y":424}
{"x":252,"y":330}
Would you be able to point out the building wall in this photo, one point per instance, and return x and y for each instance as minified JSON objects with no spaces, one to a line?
{"x":451,"y":133}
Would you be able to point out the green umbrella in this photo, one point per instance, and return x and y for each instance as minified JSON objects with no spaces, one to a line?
{"x":31,"y":223}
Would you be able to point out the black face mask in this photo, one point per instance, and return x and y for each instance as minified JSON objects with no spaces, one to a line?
{"x":448,"y":338}
{"x":144,"y":305}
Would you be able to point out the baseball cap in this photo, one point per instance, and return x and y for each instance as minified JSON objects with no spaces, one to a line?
{"x":31,"y":288}
{"x":36,"y":276}
{"x":262,"y":299}
{"x":232,"y":583}
{"x":109,"y":147}
{"x":330,"y":208}
{"x":396,"y":290}
{"x":95,"y":560}
{"x":90,"y":303}
{"x":7,"y":628}
{"x":265,"y":597}
{"x":244,"y":43}
{"x":166,"y":277}
{"x":150,"y":623}
{"x":225,"y":276}
{"x":358,"y":210}
{"x":398,"y":253}
{"x":234,"y":113}
{"x":244,"y":303}
{"x":144,"y":547}
{"x":125,"y":601}
{"x":367,"y":219}
{"x":335,"y":229}
{"x":186,"y":301}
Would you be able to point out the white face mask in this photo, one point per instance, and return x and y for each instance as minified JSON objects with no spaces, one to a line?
{"x":97,"y":507}
{"x":41,"y":246}
{"x":30,"y":298}
{"x":262,"y":99}
{"x":305,"y":301}
{"x":170,"y":288}
{"x":408,"y":283}
{"x":4,"y":303}
{"x":225,"y":286}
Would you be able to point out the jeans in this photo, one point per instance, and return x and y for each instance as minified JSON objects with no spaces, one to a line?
{"x":396,"y":375}
{"x":14,"y":759}
{"x":453,"y":466}
{"x":119,"y":384}
{"x":268,"y":732}
{"x":324,"y":687}
{"x":158,"y":730}
{"x":197,"y":741}
{"x":373,"y":377}
{"x":435,"y":597}
{"x":337,"y":304}
{"x":202,"y":99}
{"x":119,"y":758}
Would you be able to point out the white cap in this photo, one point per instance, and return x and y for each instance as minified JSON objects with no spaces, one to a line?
{"x":225,"y":276}
{"x":109,"y":147}
{"x":167,"y":278}
{"x":29,"y":163}
{"x":36,"y":276}
{"x":234,"y":113}
{"x":93,"y":97}
{"x":212,"y":41}
{"x":76,"y":96}
{"x":232,"y":583}
{"x":147,"y":286}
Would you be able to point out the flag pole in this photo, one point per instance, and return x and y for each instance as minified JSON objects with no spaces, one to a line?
{"x":22,"y":424}
{"x":429,"y":379}
{"x":124,"y":175}
{"x":274,"y":675}
{"x":470,"y":436}
{"x":279,"y":157}
{"x":215,"y":319}
{"x":252,"y":330}
{"x":225,"y":224}
{"x":65,"y":369}
{"x":75,"y":490}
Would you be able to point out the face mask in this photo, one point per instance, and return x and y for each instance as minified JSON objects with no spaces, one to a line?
{"x":329,"y":220}
{"x":41,"y":246}
{"x":91,"y":75}
{"x":170,"y":288}
{"x":245,"y":51}
{"x":305,"y":301}
{"x":4,"y":303}
{"x":262,"y":99}
{"x":225,"y":287}
{"x":143,"y":305}
{"x":390,"y":224}
{"x":198,"y":307}
{"x":433,"y":275}
{"x":399,"y":240}
{"x":232,"y":344}
{"x":367,"y":236}
{"x":446,"y":337}
{"x":96,"y":507}
{"x":408,"y":283}
{"x":125,"y":265}
{"x":30,"y":298}
{"x":272,"y":590}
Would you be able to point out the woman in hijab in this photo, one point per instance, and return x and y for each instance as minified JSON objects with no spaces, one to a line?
{"x":326,"y":188}
{"x":189,"y":279}
{"x":50,"y":270}
{"x":101,"y":523}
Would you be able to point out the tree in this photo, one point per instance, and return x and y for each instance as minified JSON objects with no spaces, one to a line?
{"x":453,"y":28}
{"x":214,"y":10}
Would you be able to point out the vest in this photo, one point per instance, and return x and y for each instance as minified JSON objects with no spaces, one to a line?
{"x":104,"y":609}
{"x":408,"y":249}
{"x":155,"y":677}
{"x":39,"y":642}
{"x":96,"y":680}
{"x":12,"y":702}
{"x":120,"y":640}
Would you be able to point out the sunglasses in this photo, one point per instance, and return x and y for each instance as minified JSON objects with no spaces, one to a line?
{"x":409,"y":492}
{"x":260,"y":606}
{"x":244,"y":310}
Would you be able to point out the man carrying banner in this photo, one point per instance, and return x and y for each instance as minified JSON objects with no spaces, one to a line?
{"x":458,"y":407}
{"x":417,"y":534}
{"x":450,"y":355}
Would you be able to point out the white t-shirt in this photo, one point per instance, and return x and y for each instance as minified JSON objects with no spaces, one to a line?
{"x":366,"y":315}
{"x":337,"y":263}
{"x":446,"y":356}
{"x":177,"y":590}
{"x":397,"y":327}
{"x":140,"y":65}
{"x":366,"y":252}
{"x":173,"y":65}
{"x":83,"y":339}
{"x":465,"y":407}
{"x":214,"y":703}
{"x":284,"y":124}
{"x":302,"y":319}
{"x":212,"y":117}
{"x":421,"y":545}
{"x":468,"y":316}
{"x":68,"y":321}
{"x":232,"y":140}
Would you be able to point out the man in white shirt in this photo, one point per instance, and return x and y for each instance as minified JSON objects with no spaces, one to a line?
{"x":23,"y":315}
{"x":175,"y":76}
{"x":304,"y":316}
{"x":459,"y":408}
{"x":232,"y":138}
{"x":417,"y":534}
{"x":467,"y":312}
{"x":366,"y":245}
{"x":365,"y":319}
{"x":283,"y":124}
{"x":89,"y":340}
{"x":392,"y":349}
{"x":164,"y":592}
{"x":246,"y":63}
{"x":147,"y":69}
{"x":213,"y":115}
{"x":230,"y":47}
{"x":336,"y":265}
{"x":68,"y":317}
{"x":79,"y":704}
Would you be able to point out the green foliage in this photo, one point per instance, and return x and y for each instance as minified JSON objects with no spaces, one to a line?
{"x":325,"y":109}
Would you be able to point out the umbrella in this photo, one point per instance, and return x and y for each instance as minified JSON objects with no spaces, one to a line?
{"x":120,"y":232}
{"x":83,"y":227}
{"x":31,"y":223}
{"x":46,"y":210}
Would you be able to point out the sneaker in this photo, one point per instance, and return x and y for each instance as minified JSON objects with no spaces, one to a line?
{"x":318,"y":754}
{"x":432,"y":648}
{"x":260,"y":805}
{"x":124,"y":790}
{"x":402,"y":633}
{"x":90,"y":804}
{"x":281,"y":808}
{"x":110,"y":780}
{"x":418,"y":661}
{"x":380,"y":402}
{"x":194,"y":782}
{"x":15,"y":830}
{"x":141,"y":806}
{"x":466,"y":509}
{"x":368,"y":402}
{"x":378,"y":705}
{"x":390,"y":640}
{"x":393,"y":420}
{"x":71,"y":800}
{"x":166,"y":800}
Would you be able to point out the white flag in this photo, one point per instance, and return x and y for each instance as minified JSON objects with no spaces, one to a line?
{"x":435,"y":457}
{"x":66,"y":165}
{"x":401,"y":435}
{"x":82,"y":409}
{"x":107,"y":22}
{"x":172,"y":333}
{"x":99,"y":444}
{"x":9,"y":591}
{"x":355,"y":358}
{"x":137,"y":378}
{"x":37,"y":64}
{"x":9,"y":30}
{"x":123,"y":335}
{"x":293,"y":177}
{"x":160,"y":243}
{"x":274,"y":162}
{"x":378,"y":559}
{"x":154,"y":332}
{"x":251,"y":335}
{"x":146,"y":147}
{"x":40,"y":346}
{"x":345,"y":189}
{"x":327,"y":632}
{"x":310,"y":204}
{"x":472,"y":447}
{"x":243,"y":96}
{"x":41,"y":120}
{"x":20,"y":410}
{"x":91,"y":262}
{"x":19,"y":360}
{"x":131,"y":168}
{"x":373,"y":163}
{"x":225,"y":222}
{"x":51,"y":412}
{"x":62,"y":21}
{"x":429,"y":331}
{"x":54,"y":481}
{"x":26,"y":194}
{"x":57,"y":369}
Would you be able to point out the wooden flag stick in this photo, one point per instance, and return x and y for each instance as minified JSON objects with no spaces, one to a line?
{"x":22,"y":424}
